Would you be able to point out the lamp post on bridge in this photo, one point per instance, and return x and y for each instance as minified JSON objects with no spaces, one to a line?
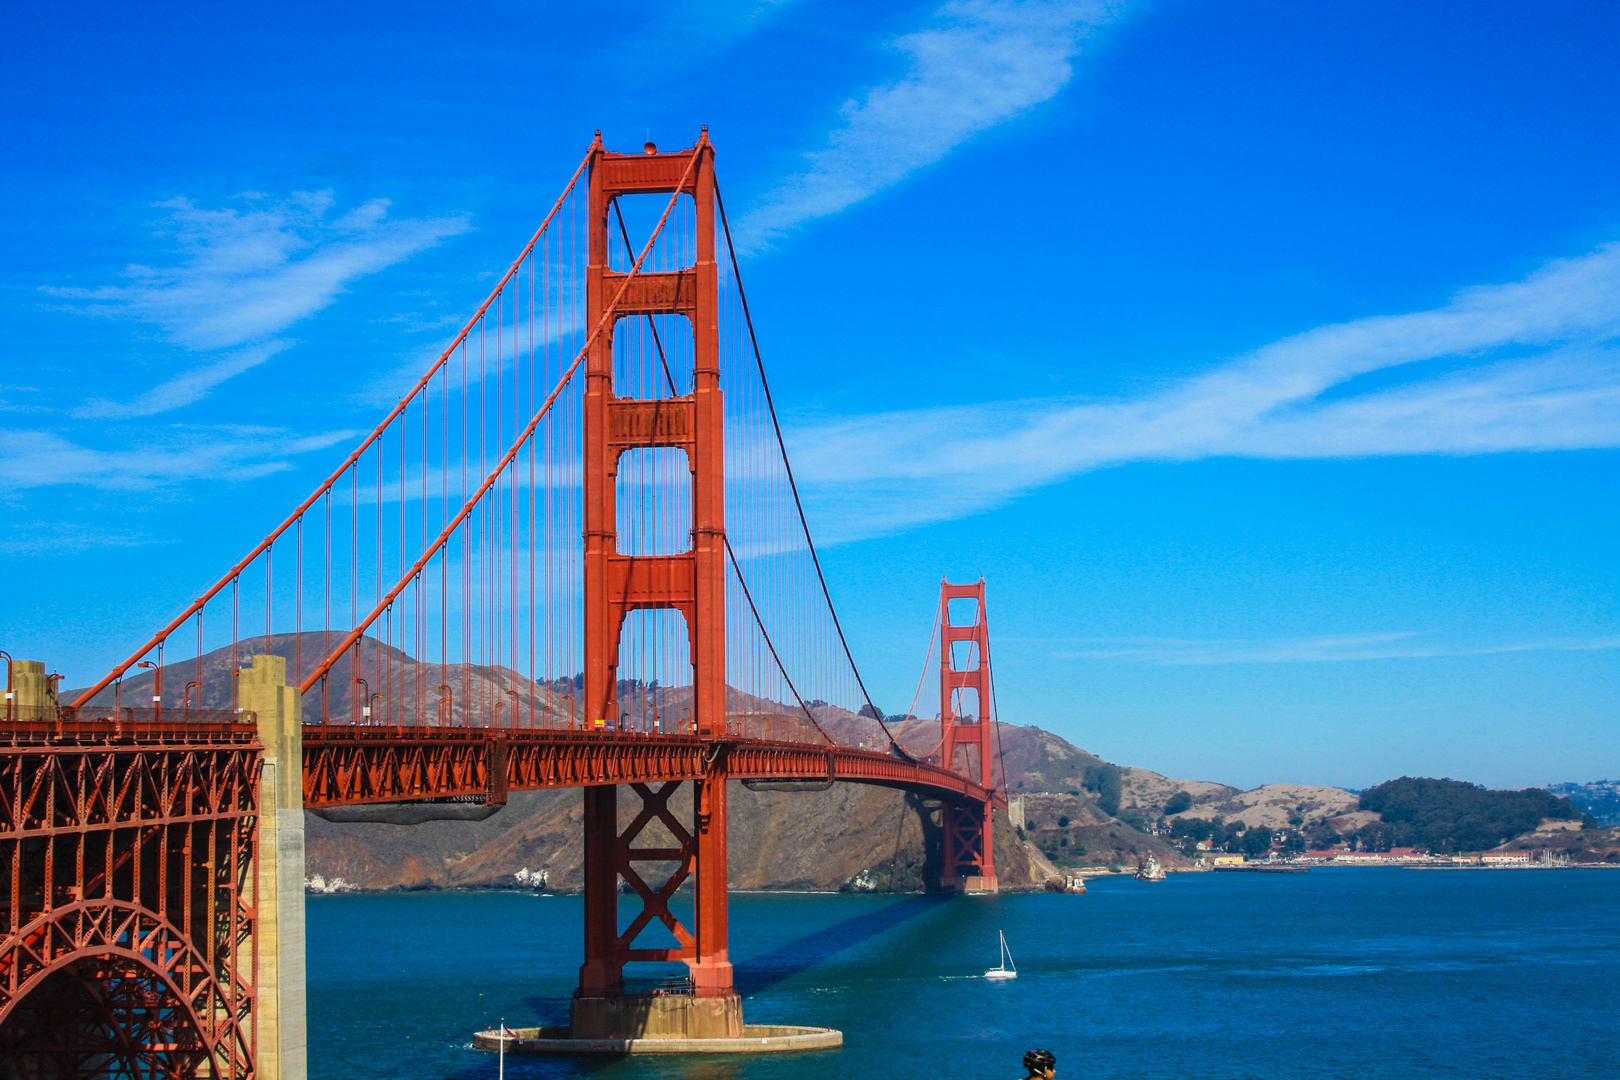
{"x":365,"y":700}
{"x":157,"y":683}
{"x":11,"y":693}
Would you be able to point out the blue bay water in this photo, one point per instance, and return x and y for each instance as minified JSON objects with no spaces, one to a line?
{"x":1352,"y":973}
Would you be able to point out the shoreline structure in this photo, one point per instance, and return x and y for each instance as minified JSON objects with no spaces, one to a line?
{"x":319,"y":886}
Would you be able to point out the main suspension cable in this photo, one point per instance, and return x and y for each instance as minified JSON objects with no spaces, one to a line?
{"x":232,"y":575}
{"x":771,"y":644}
{"x":922,"y":678}
{"x":658,"y":343}
{"x":511,"y":454}
{"x":793,"y":486}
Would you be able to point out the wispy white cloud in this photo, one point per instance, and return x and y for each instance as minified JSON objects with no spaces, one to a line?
{"x":690,"y":31}
{"x":35,"y":459}
{"x":979,"y":63}
{"x":252,"y":273}
{"x":183,"y":389}
{"x":562,"y":329}
{"x":1173,"y":652}
{"x":32,"y":537}
{"x":23,"y":399}
{"x":247,"y":274}
{"x":1551,"y":382}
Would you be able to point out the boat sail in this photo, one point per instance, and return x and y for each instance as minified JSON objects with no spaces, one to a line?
{"x":1006,"y":969}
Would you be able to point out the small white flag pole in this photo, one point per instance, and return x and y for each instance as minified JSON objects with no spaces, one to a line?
{"x":503,"y":1049}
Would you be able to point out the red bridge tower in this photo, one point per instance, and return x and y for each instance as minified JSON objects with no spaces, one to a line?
{"x":964,"y":717}
{"x":692,"y":582}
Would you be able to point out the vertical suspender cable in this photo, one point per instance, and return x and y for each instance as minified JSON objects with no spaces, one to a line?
{"x":792,"y":484}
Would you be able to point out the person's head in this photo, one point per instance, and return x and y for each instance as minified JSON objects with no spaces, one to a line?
{"x":1040,"y":1063}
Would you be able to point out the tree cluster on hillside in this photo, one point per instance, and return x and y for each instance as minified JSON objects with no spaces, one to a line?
{"x":1105,"y":781}
{"x":1234,"y":837}
{"x":1452,"y":815}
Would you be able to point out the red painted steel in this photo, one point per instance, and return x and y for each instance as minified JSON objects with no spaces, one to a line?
{"x":346,"y":766}
{"x":969,"y":838}
{"x":692,"y":582}
{"x":127,"y":871}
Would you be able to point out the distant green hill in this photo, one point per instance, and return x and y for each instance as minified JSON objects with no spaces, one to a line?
{"x":1451,"y":815}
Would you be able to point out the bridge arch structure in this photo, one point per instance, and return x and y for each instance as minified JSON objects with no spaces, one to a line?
{"x":127,"y":857}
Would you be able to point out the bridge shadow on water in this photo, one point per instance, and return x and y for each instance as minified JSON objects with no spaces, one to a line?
{"x":753,"y":976}
{"x":788,"y":959}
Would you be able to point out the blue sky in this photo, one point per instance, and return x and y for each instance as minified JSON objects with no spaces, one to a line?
{"x":1262,"y":356}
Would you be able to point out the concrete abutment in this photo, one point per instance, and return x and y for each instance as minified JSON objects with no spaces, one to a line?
{"x":281,"y":1048}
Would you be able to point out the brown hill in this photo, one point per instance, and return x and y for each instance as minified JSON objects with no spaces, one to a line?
{"x":1272,"y":805}
{"x":849,"y":836}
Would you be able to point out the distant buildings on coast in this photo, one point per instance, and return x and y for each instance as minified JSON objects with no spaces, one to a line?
{"x":1396,"y":857}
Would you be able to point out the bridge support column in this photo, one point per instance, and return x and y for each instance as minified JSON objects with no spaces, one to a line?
{"x":711,"y":966}
{"x":968,"y":851}
{"x":33,"y":693}
{"x":601,"y":1008}
{"x":602,"y":974}
{"x":280,"y":1045}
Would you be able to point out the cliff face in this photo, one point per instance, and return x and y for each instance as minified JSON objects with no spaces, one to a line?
{"x":849,"y":836}
{"x":440,"y":854}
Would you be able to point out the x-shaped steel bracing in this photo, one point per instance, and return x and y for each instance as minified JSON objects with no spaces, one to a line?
{"x":655,"y":902}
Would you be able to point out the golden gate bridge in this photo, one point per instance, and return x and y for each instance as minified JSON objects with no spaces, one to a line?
{"x":573,"y":555}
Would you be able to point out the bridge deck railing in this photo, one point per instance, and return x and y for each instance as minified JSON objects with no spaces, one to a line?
{"x":764,"y":726}
{"x":108,"y":725}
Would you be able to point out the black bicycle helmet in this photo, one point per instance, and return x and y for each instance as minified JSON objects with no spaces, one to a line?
{"x":1039,"y":1060}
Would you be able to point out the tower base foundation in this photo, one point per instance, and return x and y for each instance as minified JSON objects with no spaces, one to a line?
{"x":656,"y":1016}
{"x":755,"y":1039}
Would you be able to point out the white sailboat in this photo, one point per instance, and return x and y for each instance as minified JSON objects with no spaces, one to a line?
{"x":1006,"y":970}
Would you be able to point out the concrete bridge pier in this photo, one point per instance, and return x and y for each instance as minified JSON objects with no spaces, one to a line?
{"x":33,"y":693}
{"x":281,"y":1044}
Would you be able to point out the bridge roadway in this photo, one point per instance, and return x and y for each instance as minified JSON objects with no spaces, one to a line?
{"x":347,"y":765}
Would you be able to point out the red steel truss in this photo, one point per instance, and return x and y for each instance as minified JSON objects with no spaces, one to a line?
{"x":127,"y":854}
{"x":345,"y":766}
